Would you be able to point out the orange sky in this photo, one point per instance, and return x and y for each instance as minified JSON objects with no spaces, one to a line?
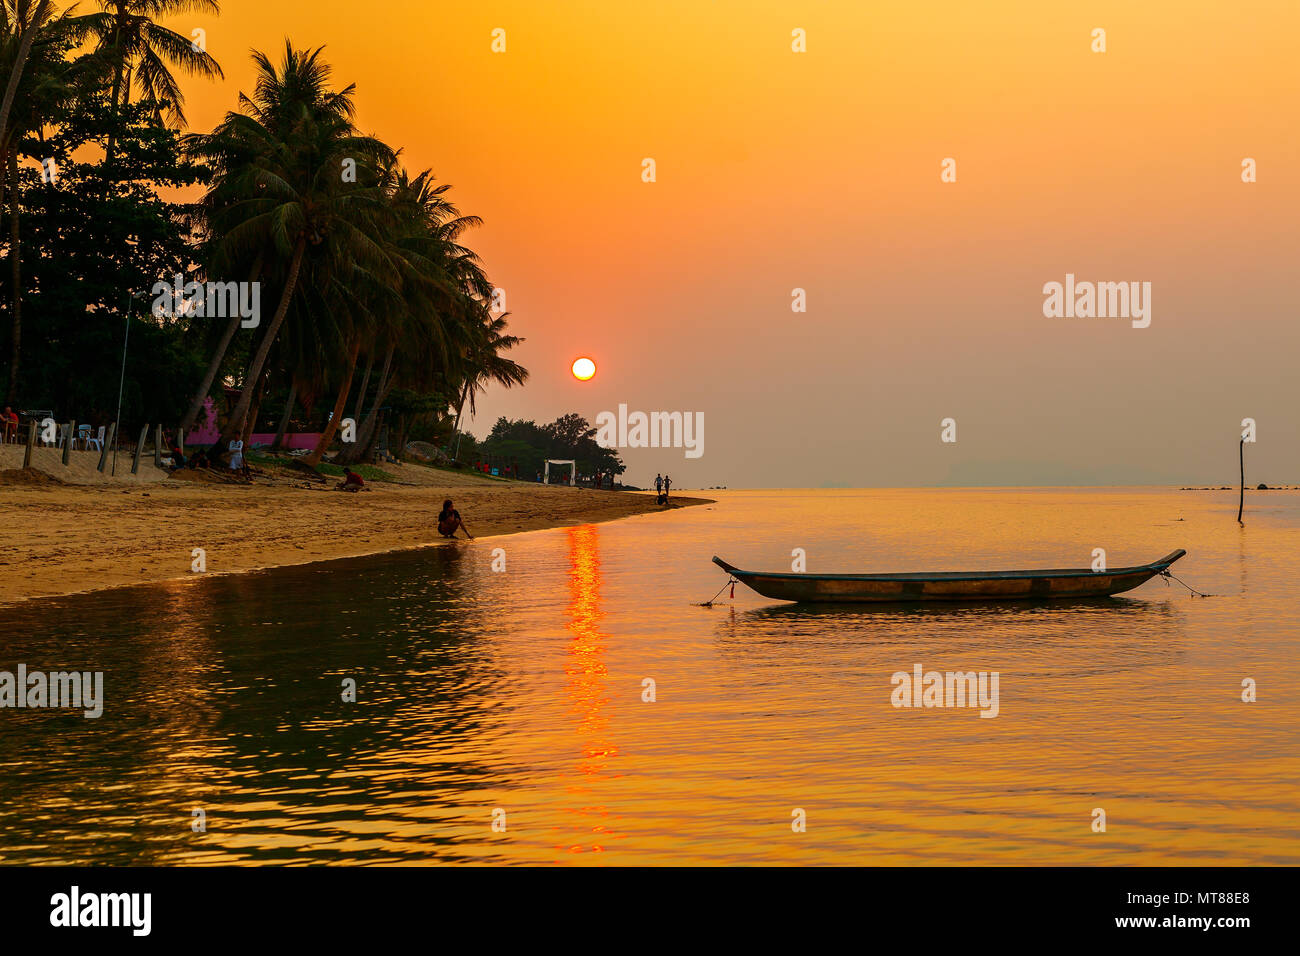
{"x":820,"y":170}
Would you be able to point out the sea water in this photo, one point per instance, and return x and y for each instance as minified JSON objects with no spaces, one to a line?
{"x":576,"y":705}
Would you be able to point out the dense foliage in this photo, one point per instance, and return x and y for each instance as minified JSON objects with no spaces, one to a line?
{"x":529,"y":445}
{"x":370,"y":305}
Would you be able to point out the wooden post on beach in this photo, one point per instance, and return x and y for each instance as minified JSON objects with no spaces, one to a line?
{"x":139,"y":449}
{"x":67,"y":442}
{"x":31,"y":442}
{"x":1241,"y":498}
{"x":157,"y":446}
{"x":180,"y":439}
{"x":108,"y":443}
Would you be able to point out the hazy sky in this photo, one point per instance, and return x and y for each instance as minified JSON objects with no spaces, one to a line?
{"x":821,"y":170}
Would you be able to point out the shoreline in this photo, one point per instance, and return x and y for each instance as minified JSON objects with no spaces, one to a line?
{"x":65,"y":540}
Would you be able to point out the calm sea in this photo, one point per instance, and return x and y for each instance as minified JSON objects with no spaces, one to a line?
{"x":516,"y":696}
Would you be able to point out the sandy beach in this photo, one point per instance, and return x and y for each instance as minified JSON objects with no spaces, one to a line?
{"x":66,"y":538}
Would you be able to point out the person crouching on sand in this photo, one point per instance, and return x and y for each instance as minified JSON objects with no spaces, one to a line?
{"x":449,"y":520}
{"x":351,"y":481}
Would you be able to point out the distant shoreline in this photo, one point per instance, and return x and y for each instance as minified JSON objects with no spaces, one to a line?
{"x":1248,"y":488}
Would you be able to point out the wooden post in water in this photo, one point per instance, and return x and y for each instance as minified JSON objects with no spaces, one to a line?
{"x":69,"y":440}
{"x":31,"y":442}
{"x":1241,"y":498}
{"x":157,"y":446}
{"x":103,"y":452}
{"x":139,"y":449}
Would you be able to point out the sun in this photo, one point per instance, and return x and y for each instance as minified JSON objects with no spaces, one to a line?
{"x":583,"y":369}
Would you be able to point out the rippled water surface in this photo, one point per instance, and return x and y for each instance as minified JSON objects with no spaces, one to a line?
{"x":522,"y":691}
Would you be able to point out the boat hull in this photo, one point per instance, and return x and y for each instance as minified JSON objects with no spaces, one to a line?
{"x":949,"y":585}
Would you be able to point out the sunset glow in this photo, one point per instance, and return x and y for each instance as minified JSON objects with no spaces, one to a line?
{"x":1121,"y":165}
{"x":935,"y":517}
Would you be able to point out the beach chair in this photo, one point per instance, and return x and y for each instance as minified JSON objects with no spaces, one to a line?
{"x":97,"y":443}
{"x":63,"y":435}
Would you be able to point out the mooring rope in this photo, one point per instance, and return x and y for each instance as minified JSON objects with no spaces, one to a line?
{"x":1166,"y":573}
{"x":709,"y":602}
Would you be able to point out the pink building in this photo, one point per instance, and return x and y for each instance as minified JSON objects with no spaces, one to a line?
{"x":205,"y":432}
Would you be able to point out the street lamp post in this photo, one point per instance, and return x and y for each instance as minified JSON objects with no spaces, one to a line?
{"x":121,"y":382}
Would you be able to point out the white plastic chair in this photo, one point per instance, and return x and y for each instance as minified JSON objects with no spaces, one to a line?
{"x":97,"y":443}
{"x":63,"y":435}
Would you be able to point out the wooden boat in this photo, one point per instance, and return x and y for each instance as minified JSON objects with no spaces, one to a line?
{"x":950,"y":585}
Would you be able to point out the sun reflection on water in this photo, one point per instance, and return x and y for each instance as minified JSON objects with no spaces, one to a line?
{"x":586,"y":671}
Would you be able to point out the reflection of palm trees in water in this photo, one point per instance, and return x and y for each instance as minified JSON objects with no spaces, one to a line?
{"x":586,"y":670}
{"x":224,"y":693}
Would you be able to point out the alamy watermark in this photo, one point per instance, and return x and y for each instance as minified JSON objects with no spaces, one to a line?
{"x":1101,"y":300}
{"x":84,"y":689}
{"x":653,"y":430}
{"x":129,"y":910}
{"x":214,"y":300}
{"x":946,"y":689}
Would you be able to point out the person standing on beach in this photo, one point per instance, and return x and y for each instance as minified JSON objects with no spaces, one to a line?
{"x":659,"y":484}
{"x":236,"y":454}
{"x":668,"y":483}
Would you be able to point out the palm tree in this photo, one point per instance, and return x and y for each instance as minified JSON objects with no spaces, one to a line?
{"x":15,"y":22}
{"x":483,"y":362}
{"x":142,"y":49}
{"x":34,"y":44}
{"x":443,"y":288}
{"x":387,"y":307}
{"x":356,"y":302}
{"x":279,"y":189}
{"x":279,"y":101}
{"x":219,"y":353}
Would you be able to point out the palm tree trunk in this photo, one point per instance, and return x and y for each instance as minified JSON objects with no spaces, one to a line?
{"x":111,"y":149}
{"x":365,"y":382}
{"x":408,"y":422}
{"x":251,"y":421}
{"x":236,"y":420}
{"x":357,"y":451}
{"x":288,"y":410}
{"x":196,"y":403}
{"x":366,"y":447}
{"x":20,"y":63}
{"x":15,"y":261}
{"x":219,"y":356}
{"x":332,"y":427}
{"x":464,"y":394}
